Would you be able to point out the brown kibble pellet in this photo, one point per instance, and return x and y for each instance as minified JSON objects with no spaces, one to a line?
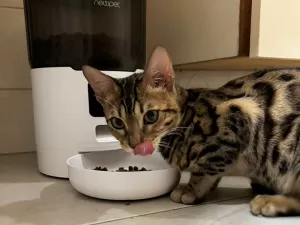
{"x":122,"y":169}
{"x":101,"y":169}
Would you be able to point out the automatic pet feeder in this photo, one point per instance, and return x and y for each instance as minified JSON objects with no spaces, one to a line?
{"x":63,"y":36}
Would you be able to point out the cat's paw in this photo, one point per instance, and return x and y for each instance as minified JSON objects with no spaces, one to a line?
{"x":276,"y":205}
{"x":184,"y":194}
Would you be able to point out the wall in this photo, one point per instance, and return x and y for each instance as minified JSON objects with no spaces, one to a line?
{"x":208,"y":79}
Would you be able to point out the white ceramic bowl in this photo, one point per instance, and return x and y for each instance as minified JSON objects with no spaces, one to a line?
{"x":121,"y":185}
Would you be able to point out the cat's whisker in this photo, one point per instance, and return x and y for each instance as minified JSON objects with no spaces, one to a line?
{"x":179,"y":128}
{"x":159,"y":136}
{"x":164,"y":143}
{"x":176,"y":130}
{"x":164,"y":146}
{"x":167,"y":133}
{"x":173,"y":133}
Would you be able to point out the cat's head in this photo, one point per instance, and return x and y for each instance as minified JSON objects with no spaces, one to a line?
{"x":140,"y":108}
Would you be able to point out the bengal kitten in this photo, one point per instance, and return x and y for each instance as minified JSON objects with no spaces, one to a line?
{"x":248,"y":127}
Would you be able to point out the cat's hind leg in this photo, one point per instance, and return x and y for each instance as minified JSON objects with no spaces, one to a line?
{"x":275,"y":205}
{"x":287,"y":204}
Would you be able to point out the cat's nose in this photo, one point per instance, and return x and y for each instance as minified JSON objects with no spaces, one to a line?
{"x":135,"y":134}
{"x":134,"y":140}
{"x":133,"y":144}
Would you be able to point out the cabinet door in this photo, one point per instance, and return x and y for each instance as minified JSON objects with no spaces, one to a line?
{"x":15,"y":69}
{"x":275,"y":29}
{"x":197,"y":30}
{"x":16,"y":119}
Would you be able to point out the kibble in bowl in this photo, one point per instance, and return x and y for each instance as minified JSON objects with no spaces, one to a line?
{"x":122,"y":169}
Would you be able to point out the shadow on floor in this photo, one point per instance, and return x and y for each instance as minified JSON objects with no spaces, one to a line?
{"x":60,"y":204}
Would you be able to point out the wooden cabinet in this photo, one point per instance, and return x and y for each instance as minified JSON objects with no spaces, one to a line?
{"x":231,"y":34}
{"x":13,"y":54}
{"x":13,"y":47}
{"x":16,"y":116}
{"x":11,"y":3}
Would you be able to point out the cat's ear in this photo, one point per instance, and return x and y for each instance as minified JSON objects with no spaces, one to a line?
{"x":102,"y":84}
{"x":159,"y":71}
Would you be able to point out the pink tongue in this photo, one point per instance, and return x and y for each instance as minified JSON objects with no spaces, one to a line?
{"x":145,"y":148}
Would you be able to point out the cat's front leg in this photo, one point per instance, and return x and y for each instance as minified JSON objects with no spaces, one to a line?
{"x":195,"y":190}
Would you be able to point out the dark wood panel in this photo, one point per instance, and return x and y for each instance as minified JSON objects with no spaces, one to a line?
{"x":245,"y":27}
{"x":239,"y":63}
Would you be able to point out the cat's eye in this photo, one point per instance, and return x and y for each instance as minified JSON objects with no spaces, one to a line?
{"x":151,"y":117}
{"x":117,"y":123}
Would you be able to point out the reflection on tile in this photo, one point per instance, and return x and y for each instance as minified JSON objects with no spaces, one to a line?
{"x":29,"y":198}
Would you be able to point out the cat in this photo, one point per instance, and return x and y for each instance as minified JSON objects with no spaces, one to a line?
{"x":248,"y":127}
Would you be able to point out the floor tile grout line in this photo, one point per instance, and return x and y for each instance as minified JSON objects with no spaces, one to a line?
{"x":140,"y":215}
{"x":164,"y":211}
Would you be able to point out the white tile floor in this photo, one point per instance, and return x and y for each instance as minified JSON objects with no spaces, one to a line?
{"x":29,"y":198}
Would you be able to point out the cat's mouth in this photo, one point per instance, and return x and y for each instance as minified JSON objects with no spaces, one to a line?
{"x":143,"y":149}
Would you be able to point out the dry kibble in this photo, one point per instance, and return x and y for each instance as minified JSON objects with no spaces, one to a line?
{"x":101,"y":169}
{"x":122,"y":169}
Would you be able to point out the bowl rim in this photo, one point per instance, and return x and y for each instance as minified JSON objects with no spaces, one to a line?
{"x":127,"y":172}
